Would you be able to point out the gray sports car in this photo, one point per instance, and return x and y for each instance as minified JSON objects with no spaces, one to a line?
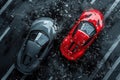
{"x":37,"y":45}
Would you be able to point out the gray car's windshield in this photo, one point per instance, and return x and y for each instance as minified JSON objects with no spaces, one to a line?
{"x":39,"y":38}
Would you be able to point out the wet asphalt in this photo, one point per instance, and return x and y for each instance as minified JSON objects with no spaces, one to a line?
{"x":20,"y":17}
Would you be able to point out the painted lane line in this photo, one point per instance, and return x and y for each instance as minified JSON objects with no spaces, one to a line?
{"x":102,"y":62}
{"x":111,"y":8}
{"x":117,"y":62}
{"x":118,"y":77}
{"x":92,"y":2}
{"x":5,"y":32}
{"x":5,"y":6}
{"x":114,"y":45}
{"x":111,"y":49}
{"x":8,"y":72}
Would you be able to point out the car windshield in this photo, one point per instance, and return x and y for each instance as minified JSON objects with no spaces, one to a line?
{"x":39,"y":38}
{"x":87,"y":28}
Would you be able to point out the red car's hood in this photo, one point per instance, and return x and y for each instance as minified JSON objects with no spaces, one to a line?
{"x":72,"y":44}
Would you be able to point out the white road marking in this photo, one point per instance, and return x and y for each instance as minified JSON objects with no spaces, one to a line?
{"x":5,"y":32}
{"x":111,"y":49}
{"x":117,"y":62}
{"x":8,"y":72}
{"x":116,"y":41}
{"x":5,"y":6}
{"x":111,"y":8}
{"x":92,"y":2}
{"x":114,"y":44}
{"x":118,"y":77}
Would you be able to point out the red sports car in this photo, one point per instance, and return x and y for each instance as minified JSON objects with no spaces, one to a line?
{"x":82,"y":35}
